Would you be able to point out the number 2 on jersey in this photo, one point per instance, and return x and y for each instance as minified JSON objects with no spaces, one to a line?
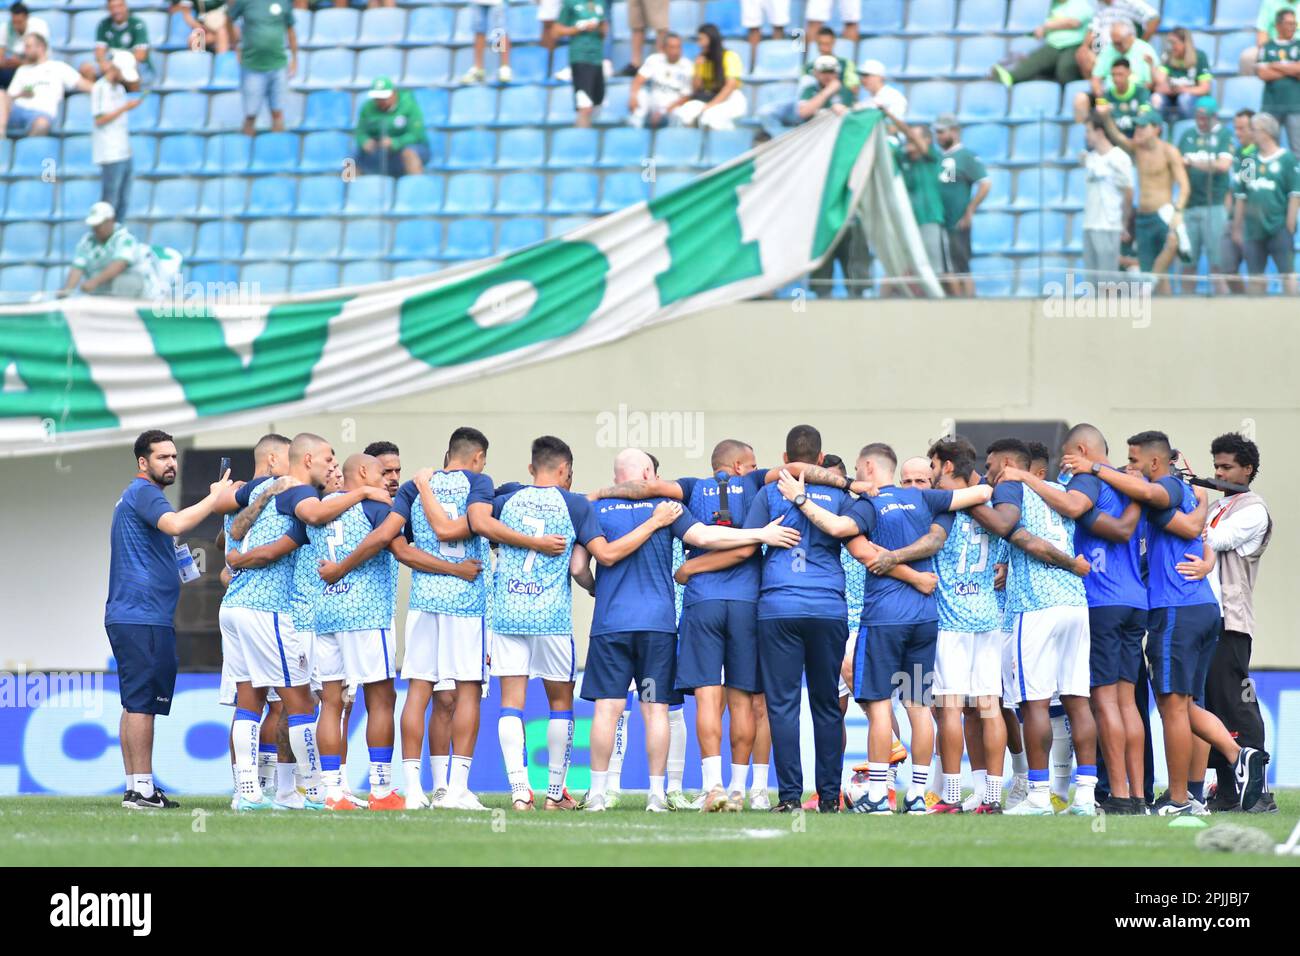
{"x":335,"y":539}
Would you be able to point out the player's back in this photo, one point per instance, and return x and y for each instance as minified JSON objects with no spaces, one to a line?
{"x":965,"y":597}
{"x":1165,"y":586}
{"x":855,"y":584}
{"x":808,"y":579}
{"x":900,"y":516}
{"x":531,"y":589}
{"x":640,"y":587}
{"x":268,"y":588}
{"x":362,"y":598}
{"x":702,"y":497}
{"x":1116,"y":576}
{"x":1033,"y":585}
{"x":446,"y":593}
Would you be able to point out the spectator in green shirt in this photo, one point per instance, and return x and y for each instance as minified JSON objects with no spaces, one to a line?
{"x":1185,"y":78}
{"x":1279,"y":68}
{"x":919,"y":163}
{"x":826,"y":92}
{"x":1268,"y":194}
{"x":390,"y":132}
{"x":110,"y":261}
{"x":963,"y":185}
{"x":1125,"y":45}
{"x":1061,"y":33}
{"x":1265,"y":30}
{"x":1127,"y":100}
{"x":265,"y":28}
{"x":1231,"y":255}
{"x":585,"y":23}
{"x":122,"y":30}
{"x":1207,"y":153}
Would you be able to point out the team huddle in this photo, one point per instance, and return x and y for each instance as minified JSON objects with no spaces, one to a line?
{"x":1008,"y":614}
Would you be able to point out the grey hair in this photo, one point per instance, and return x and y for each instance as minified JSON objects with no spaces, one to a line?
{"x":1265,"y":123}
{"x":1125,"y":27}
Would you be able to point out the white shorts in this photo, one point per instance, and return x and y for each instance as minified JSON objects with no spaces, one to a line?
{"x":548,"y":656}
{"x":849,"y":648}
{"x":548,"y":10}
{"x":444,"y":647}
{"x":367,"y":655}
{"x":330,"y":665}
{"x":820,"y":11}
{"x":753,"y":12}
{"x":274,"y":654}
{"x":1049,"y":654}
{"x":968,"y":664}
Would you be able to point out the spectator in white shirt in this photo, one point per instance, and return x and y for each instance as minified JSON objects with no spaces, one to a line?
{"x":1107,"y":201}
{"x":31,"y":104}
{"x":110,"y":143}
{"x":11,"y":39}
{"x":878,"y":93}
{"x":664,"y":82}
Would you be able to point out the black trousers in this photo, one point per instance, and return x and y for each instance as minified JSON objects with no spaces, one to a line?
{"x":1230,"y":696}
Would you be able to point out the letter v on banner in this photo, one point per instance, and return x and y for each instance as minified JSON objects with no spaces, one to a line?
{"x":837,"y":193}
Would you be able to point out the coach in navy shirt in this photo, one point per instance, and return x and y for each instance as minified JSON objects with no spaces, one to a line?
{"x":143,"y":588}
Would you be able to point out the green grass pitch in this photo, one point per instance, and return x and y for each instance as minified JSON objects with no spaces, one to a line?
{"x":95,"y":831}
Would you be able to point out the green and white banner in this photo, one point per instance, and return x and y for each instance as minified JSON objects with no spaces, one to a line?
{"x":92,"y":371}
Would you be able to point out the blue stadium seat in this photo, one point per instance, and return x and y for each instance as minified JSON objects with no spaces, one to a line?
{"x":82,"y":34}
{"x":225,"y":71}
{"x":982,"y":100}
{"x":469,"y":194}
{"x":382,"y":26}
{"x":522,"y":26}
{"x":368,"y":196}
{"x":362,"y":238}
{"x":275,"y":153}
{"x":64,"y":238}
{"x":415,"y":268}
{"x":725,"y":15}
{"x":1038,"y":188}
{"x":1034,"y":145}
{"x":981,"y":16}
{"x":418,"y":196}
{"x":930,"y":56}
{"x":363,"y":272}
{"x":521,"y":194}
{"x":994,"y":275}
{"x":219,"y":240}
{"x":325,"y":152}
{"x":677,"y":146}
{"x":1068,"y":93}
{"x":416,"y":239}
{"x":684,"y":17}
{"x":376,"y":62}
{"x":977,"y":55}
{"x":213,"y":273}
{"x":561,"y":225}
{"x":320,"y":195}
{"x":77,"y":158}
{"x":434,"y":105}
{"x":334,"y":27}
{"x":1076,"y":142}
{"x":614,"y":111}
{"x":427,"y":26}
{"x":624,"y":146}
{"x":992,"y":232}
{"x":572,"y":193}
{"x":328,"y":109}
{"x":175,"y":199}
{"x":183,"y":113}
{"x":1231,"y":46}
{"x":1025,"y":15}
{"x":474,"y":106}
{"x":520,"y":231}
{"x":155,"y":21}
{"x":1034,"y":99}
{"x":769,"y":93}
{"x":74,"y":197}
{"x":1193,"y":14}
{"x":462,"y":33}
{"x":778,"y":60}
{"x":272,"y":196}
{"x":1240,"y":92}
{"x":177,"y":36}
{"x":521,"y":148}
{"x":468,"y":239}
{"x":560,"y":110}
{"x":25,"y":242}
{"x":1035,"y":230}
{"x":76,"y":114}
{"x":724,"y":145}
{"x":1075,"y":190}
{"x":269,"y":278}
{"x":187,"y":70}
{"x":1022,"y":45}
{"x":35,"y":156}
{"x":927,"y":100}
{"x":471,"y":149}
{"x":144,"y":117}
{"x":328,"y":69}
{"x":29,"y":199}
{"x":313,"y":239}
{"x":528,"y":62}
{"x":573,"y":148}
{"x":58,"y":22}
{"x":1236,"y":14}
{"x":882,"y":16}
{"x":222,"y":197}
{"x":891,"y":51}
{"x":522,"y":105}
{"x":179,"y":155}
{"x":664,"y":183}
{"x":174,"y":235}
{"x":999,"y":196}
{"x":926,"y":17}
{"x":426,"y":66}
{"x":143,"y":151}
{"x":620,"y":190}
{"x":225,"y":111}
{"x":18,"y":282}
{"x":316,"y":276}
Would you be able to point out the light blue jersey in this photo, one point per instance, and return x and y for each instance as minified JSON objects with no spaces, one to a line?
{"x":307,"y":586}
{"x":679,"y":592}
{"x":855,"y":585}
{"x":362,"y":600}
{"x":268,"y":588}
{"x":1033,"y":585}
{"x":965,"y":565}
{"x":531,"y":590}
{"x":1002,"y":555}
{"x":445,"y":593}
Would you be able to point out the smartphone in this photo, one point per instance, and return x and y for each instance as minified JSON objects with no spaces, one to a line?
{"x":225,"y":467}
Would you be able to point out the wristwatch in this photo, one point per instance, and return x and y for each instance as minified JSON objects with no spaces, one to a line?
{"x":799,"y":500}
{"x":1096,"y":468}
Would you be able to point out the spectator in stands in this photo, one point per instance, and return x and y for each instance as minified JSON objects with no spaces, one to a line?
{"x":826,"y":92}
{"x":752,"y":14}
{"x":1207,"y":154}
{"x":818,"y":12}
{"x":775,"y":118}
{"x":265,"y":28}
{"x":963,"y":184}
{"x":1265,"y":30}
{"x":110,"y":142}
{"x":663,"y":83}
{"x":1268,"y":198}
{"x":1231,"y":255}
{"x":547,"y":11}
{"x":585,"y":22}
{"x":879,"y":94}
{"x":390,"y":132}
{"x":11,"y":39}
{"x":1158,"y":226}
{"x":122,"y":30}
{"x":110,"y":261}
{"x":1101,"y":31}
{"x":208,"y":16}
{"x":919,"y":163}
{"x":1108,"y":173}
{"x":1279,"y":68}
{"x":642,"y":14}
{"x":1185,"y":77}
{"x":1126,"y":99}
{"x":717,"y":101}
{"x":489,"y":16}
{"x":31,"y":104}
{"x":1062,"y":33}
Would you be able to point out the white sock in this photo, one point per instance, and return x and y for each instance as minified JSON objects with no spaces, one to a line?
{"x":891,"y":776}
{"x":657,"y":787}
{"x":440,"y":763}
{"x":920,"y":780}
{"x":877,"y":781}
{"x":510,"y":732}
{"x":739,"y":774}
{"x":343,"y":776}
{"x":711,"y":767}
{"x":1085,"y":786}
{"x":243,"y":731}
{"x":760,"y":777}
{"x":559,"y":751}
{"x":614,"y":782}
{"x":952,"y":788}
{"x":285,"y":786}
{"x":1062,"y":757}
{"x":935,"y":782}
{"x":1019,"y":764}
{"x":458,"y":781}
{"x":144,"y":784}
{"x":598,"y":782}
{"x":1039,"y":792}
{"x":130,"y":780}
{"x":676,"y":749}
{"x":381,"y":771}
{"x":266,"y":760}
{"x":234,"y":778}
{"x":411,"y":774}
{"x":332,"y":781}
{"x":992,"y":789}
{"x":302,"y":740}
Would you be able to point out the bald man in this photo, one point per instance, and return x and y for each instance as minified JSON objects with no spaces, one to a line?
{"x":633,"y":629}
{"x":915,"y":473}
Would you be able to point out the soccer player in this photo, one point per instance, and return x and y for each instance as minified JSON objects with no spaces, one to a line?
{"x":1117,"y":609}
{"x":390,"y":461}
{"x":633,"y":636}
{"x":1183,"y":623}
{"x":899,"y":624}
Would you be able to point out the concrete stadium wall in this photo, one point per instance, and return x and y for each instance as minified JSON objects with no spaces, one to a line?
{"x":891,"y":371}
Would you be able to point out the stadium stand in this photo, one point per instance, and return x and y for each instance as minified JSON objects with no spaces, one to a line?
{"x":499,"y":153}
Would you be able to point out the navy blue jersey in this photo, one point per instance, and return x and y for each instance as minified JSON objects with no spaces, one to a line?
{"x":1116,"y":576}
{"x":1166,"y":587}
{"x":700,"y":498}
{"x":895,"y":518}
{"x":143,"y":582}
{"x":807,"y":580}
{"x":636,"y":594}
